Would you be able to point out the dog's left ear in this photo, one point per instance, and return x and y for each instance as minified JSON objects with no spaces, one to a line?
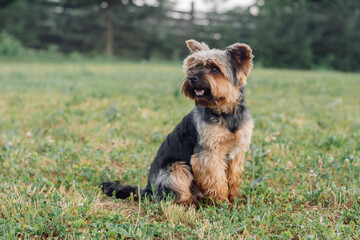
{"x":195,"y":46}
{"x":241,"y":56}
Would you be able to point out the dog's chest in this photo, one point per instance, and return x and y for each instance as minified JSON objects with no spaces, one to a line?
{"x":215,"y":135}
{"x":218,"y":139}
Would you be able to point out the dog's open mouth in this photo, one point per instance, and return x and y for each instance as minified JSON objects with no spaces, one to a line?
{"x":199,"y":92}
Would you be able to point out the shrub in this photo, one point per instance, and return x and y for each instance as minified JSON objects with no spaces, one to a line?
{"x":9,"y":45}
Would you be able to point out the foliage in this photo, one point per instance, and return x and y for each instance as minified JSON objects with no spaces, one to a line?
{"x":303,"y":34}
{"x":281,"y":32}
{"x":9,"y":46}
{"x":66,"y":127}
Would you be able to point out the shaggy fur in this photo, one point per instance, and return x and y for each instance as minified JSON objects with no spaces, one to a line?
{"x":204,"y":155}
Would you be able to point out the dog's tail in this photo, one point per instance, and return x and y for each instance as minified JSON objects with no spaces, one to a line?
{"x":121,"y":191}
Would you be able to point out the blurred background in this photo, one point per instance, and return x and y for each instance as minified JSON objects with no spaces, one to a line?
{"x":301,"y":34}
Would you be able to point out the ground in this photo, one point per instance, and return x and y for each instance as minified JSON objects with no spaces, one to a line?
{"x":66,"y":127}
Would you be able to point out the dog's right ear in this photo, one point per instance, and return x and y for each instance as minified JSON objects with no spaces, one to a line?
{"x":195,"y":46}
{"x":241,"y":56}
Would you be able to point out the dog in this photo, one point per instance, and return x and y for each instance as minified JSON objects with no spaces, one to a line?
{"x":203,"y":157}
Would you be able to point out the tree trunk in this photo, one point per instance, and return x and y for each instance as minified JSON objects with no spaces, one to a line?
{"x":109,"y":33}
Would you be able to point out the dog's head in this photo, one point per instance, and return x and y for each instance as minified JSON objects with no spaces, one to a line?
{"x":214,"y":77}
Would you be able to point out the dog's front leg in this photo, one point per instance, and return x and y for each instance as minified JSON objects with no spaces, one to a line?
{"x":235,"y":169}
{"x":210,"y":174}
{"x":237,"y":159}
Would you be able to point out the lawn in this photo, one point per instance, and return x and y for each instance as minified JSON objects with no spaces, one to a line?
{"x":66,"y":127}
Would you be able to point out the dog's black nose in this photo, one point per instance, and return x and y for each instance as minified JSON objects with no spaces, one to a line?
{"x":193,"y":79}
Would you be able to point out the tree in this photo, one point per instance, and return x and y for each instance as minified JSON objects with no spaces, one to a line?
{"x":308,"y":33}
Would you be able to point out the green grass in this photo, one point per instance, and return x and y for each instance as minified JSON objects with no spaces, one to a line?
{"x":64,"y":128}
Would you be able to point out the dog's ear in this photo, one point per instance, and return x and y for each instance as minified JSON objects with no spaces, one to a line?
{"x":241,"y":57}
{"x":195,"y":46}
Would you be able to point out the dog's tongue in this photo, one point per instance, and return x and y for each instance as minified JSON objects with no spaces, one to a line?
{"x":199,"y":92}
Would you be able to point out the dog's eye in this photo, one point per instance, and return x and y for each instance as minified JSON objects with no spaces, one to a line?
{"x":214,"y":69}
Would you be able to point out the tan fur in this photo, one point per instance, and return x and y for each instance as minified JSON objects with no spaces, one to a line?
{"x":226,"y":96}
{"x":180,"y":180}
{"x":206,"y":58}
{"x":237,"y":158}
{"x":218,"y":167}
{"x":196,"y":46}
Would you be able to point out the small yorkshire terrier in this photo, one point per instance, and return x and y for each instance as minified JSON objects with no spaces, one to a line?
{"x":204,"y":155}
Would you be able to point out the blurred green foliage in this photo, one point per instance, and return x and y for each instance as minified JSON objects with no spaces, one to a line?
{"x":308,"y":33}
{"x":304,"y":34}
{"x":9,"y":45}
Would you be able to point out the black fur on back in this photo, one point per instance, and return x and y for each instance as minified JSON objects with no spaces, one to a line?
{"x":178,"y":146}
